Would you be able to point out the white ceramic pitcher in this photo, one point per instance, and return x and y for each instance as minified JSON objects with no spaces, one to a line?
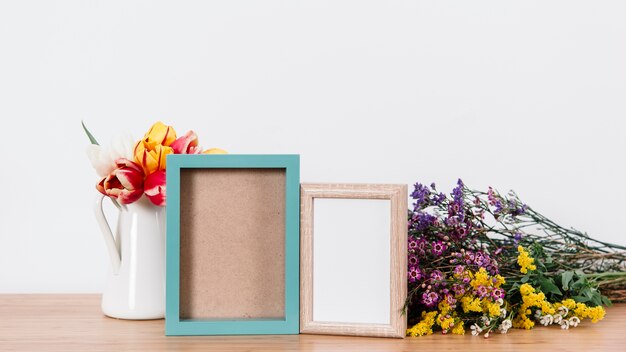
{"x":135,"y":287}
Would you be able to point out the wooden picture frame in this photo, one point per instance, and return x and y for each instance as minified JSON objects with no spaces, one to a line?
{"x":396,"y":215}
{"x":232,"y":255}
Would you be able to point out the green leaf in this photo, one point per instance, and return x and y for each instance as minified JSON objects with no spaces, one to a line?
{"x":580,"y":299}
{"x":548,"y":286}
{"x":92,"y":139}
{"x":566,"y":278}
{"x":606,"y":301}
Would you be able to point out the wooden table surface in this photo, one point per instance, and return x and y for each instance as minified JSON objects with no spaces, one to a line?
{"x":75,"y":323}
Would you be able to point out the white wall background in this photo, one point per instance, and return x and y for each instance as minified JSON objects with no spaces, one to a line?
{"x":529,"y":95}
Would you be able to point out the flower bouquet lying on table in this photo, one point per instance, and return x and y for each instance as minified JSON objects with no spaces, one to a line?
{"x":485,"y":263}
{"x":129,"y":169}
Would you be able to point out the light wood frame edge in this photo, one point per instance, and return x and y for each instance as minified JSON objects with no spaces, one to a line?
{"x":398,"y":196}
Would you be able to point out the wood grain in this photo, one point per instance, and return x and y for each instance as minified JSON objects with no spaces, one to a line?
{"x":76,"y":323}
{"x":397,"y":194}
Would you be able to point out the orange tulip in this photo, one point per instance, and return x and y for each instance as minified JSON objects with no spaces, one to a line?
{"x":215,"y":151}
{"x":150,"y":152}
{"x":160,"y":133}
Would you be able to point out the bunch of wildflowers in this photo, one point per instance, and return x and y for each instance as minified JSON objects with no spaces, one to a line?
{"x":488,"y":262}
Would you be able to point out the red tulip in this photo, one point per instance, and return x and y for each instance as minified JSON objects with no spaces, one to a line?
{"x":187,"y":144}
{"x":155,"y":188}
{"x":125,"y":183}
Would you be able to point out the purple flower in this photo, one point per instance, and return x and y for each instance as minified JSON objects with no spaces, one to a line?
{"x":421,"y":195}
{"x":414,"y":274}
{"x":421,"y":221}
{"x":421,"y":246}
{"x":450,"y":300}
{"x":436,"y":276}
{"x":479,"y":259}
{"x":413,"y":260}
{"x":412,"y":244}
{"x":517,"y":237}
{"x":491,"y":196}
{"x":458,"y":289}
{"x":497,"y":293}
{"x":498,"y":209}
{"x":439,"y":198}
{"x":481,"y":291}
{"x":459,"y":269}
{"x":430,"y":298}
{"x":438,"y":248}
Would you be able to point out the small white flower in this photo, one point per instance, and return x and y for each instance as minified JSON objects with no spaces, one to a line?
{"x":500,"y":301}
{"x":565,"y":325}
{"x":476,"y":330}
{"x":574,"y":321}
{"x":486,"y":335}
{"x":546,"y":320}
{"x":537,"y":314}
{"x":563,"y":310}
{"x":558,"y":318}
{"x":485,"y":319}
{"x":502,"y":313}
{"x":505,"y":326}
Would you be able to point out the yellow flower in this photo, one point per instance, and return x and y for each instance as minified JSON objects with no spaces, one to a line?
{"x":499,"y":281}
{"x":215,"y":151}
{"x":492,"y":308}
{"x":481,"y":278}
{"x":458,"y":329}
{"x":525,"y":261}
{"x":526,"y":289}
{"x":445,"y":322}
{"x":569,"y":303}
{"x":160,"y":133}
{"x":596,"y":314}
{"x":522,"y":322}
{"x":547,"y":308}
{"x":150,"y":152}
{"x":424,"y":327}
{"x":444,"y":307}
{"x":470,"y":304}
{"x":151,"y":157}
{"x":580,"y":310}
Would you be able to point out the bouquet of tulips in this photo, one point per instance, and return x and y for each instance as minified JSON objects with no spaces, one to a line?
{"x":485,"y":262}
{"x":129,"y":169}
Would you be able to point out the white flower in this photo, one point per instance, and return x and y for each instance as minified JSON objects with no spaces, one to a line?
{"x":537,"y":314}
{"x":574,"y":321}
{"x":505,"y":326}
{"x":485,"y":319}
{"x":558,"y":318}
{"x":476,"y":330}
{"x":502,"y":313}
{"x":563,"y":310}
{"x":103,"y":159}
{"x":546,"y":320}
{"x":500,"y":301}
{"x":565,"y":325}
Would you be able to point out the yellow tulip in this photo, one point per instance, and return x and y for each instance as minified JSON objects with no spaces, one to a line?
{"x":151,"y":156}
{"x":215,"y":151}
{"x":160,"y":133}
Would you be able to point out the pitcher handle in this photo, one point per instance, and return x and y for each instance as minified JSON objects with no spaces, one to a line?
{"x":109,"y":240}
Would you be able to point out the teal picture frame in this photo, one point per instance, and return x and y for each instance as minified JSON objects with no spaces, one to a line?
{"x":174,"y":325}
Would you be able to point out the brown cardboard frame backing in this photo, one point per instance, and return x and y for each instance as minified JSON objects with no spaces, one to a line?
{"x":232,"y":243}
